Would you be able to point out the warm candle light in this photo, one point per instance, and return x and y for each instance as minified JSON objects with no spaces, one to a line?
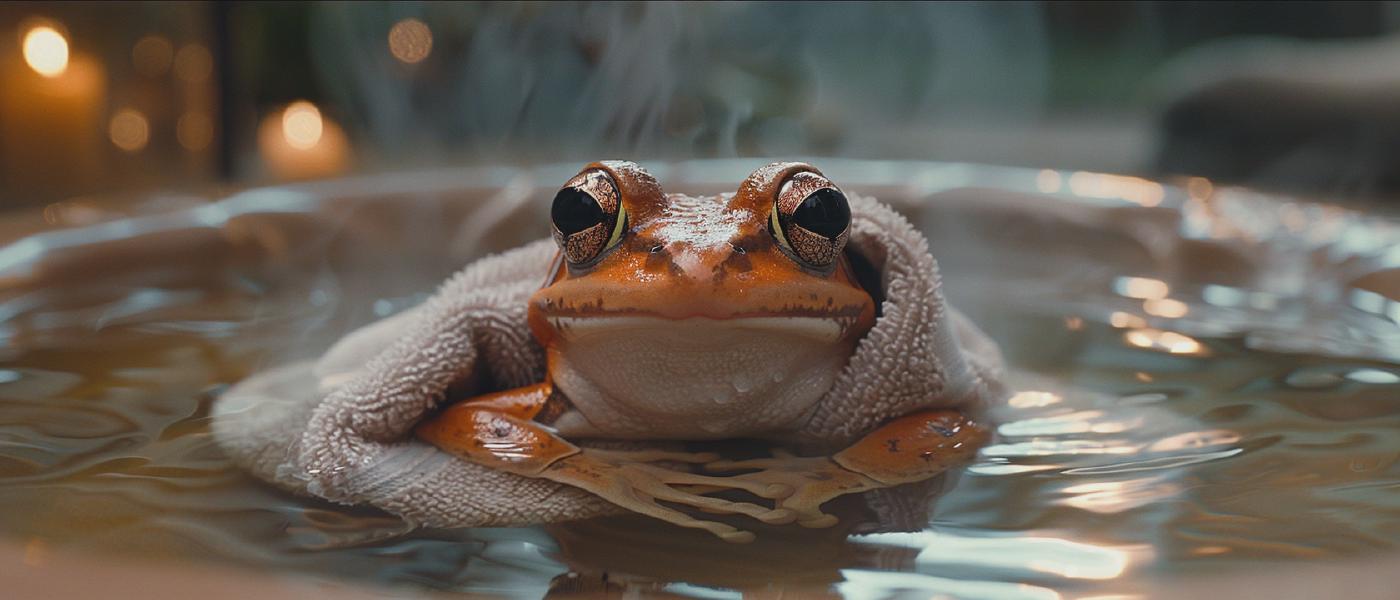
{"x":298,"y":142}
{"x":53,"y":103}
{"x":301,"y":124}
{"x":194,"y":130}
{"x":129,"y":130}
{"x":152,"y":55}
{"x":194,"y":64}
{"x":46,"y":51}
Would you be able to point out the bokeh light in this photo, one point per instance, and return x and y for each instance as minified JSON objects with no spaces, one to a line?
{"x":194,"y":130}
{"x":129,"y":130}
{"x":1165,"y":307}
{"x":152,"y":55}
{"x":1168,"y":341}
{"x":194,"y":64}
{"x":1143,"y":288}
{"x":298,"y":142}
{"x":1101,"y":185}
{"x":1199,"y":188}
{"x":46,"y":51}
{"x":1121,"y":320}
{"x":301,"y":124}
{"x":410,"y":41}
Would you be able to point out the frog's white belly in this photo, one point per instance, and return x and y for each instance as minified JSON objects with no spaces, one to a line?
{"x":653,"y":378}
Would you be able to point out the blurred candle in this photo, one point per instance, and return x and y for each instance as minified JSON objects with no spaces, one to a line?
{"x":129,"y":130}
{"x":298,"y":142}
{"x":46,"y":51}
{"x":194,"y":64}
{"x":51,"y":125}
{"x":152,"y":55}
{"x":194,"y":130}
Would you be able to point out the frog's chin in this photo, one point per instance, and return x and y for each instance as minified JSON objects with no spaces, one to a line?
{"x":815,"y":329}
{"x":652,"y":378}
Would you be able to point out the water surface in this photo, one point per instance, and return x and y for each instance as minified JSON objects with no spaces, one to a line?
{"x":1208,"y":382}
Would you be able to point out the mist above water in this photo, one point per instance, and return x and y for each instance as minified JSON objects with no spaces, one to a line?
{"x":670,"y":80}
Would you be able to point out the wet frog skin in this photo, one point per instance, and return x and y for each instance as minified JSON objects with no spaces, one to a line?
{"x":673,"y":317}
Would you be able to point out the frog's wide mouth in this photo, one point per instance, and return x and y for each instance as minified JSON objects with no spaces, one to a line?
{"x":703,"y":330}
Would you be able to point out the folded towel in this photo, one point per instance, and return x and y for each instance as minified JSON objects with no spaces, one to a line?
{"x":341,"y":428}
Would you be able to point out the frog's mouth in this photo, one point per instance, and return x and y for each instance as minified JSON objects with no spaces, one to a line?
{"x":816,"y":329}
{"x":649,"y":377}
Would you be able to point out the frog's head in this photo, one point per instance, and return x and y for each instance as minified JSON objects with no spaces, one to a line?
{"x":729,"y":313}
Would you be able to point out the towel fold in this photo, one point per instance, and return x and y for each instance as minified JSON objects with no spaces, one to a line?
{"x":340,"y":428}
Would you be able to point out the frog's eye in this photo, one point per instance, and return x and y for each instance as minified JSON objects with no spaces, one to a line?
{"x":587,"y":217}
{"x":811,"y":219}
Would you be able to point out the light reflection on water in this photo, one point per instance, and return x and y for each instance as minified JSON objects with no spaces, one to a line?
{"x":1163,"y":426}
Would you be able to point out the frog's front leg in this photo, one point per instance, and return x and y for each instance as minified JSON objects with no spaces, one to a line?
{"x":911,"y":448}
{"x":498,"y":430}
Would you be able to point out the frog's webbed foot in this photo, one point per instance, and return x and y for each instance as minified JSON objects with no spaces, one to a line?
{"x":815,"y":481}
{"x":627,"y":479}
{"x":496,"y":430}
{"x":912,"y":448}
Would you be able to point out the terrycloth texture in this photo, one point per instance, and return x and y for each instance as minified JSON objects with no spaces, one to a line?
{"x":920,"y":354}
{"x":341,"y":430}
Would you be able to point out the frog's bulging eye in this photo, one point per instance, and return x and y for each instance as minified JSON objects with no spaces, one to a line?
{"x":587,"y":217}
{"x":824,"y":212}
{"x":811,"y":219}
{"x":574,"y":211}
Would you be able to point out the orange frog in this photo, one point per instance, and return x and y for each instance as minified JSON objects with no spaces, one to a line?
{"x":669,"y":317}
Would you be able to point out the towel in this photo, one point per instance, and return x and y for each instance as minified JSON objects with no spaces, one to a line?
{"x":340,"y":428}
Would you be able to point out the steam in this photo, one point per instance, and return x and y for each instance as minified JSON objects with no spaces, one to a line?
{"x":511,"y":82}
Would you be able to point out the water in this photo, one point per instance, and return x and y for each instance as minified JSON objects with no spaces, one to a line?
{"x":1208,"y":385}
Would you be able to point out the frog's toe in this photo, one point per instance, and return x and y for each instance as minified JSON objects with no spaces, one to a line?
{"x":723,"y":531}
{"x":737,"y":536}
{"x":771,"y":490}
{"x":752,"y":464}
{"x":818,"y":521}
{"x":805,"y":507}
{"x":778,"y":516}
{"x":775,"y":516}
{"x":815,"y":481}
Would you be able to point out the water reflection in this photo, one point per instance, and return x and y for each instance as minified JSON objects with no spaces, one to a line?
{"x":1144,"y":288}
{"x":1168,"y":341}
{"x":1375,"y":376}
{"x":1165,"y":307}
{"x":1163,"y":424}
{"x":1101,"y":185}
{"x":1033,"y":399}
{"x":1016,"y":556}
{"x":861,"y":584}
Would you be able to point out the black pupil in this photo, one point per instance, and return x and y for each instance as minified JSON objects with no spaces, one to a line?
{"x":825,"y":213}
{"x":574,"y":211}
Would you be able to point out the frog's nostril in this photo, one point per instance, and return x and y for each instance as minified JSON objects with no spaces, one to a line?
{"x":739,"y":249}
{"x":656,"y":249}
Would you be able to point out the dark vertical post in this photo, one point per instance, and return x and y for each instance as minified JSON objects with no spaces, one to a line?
{"x":220,"y":13}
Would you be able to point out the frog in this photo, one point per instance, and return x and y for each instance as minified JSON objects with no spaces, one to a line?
{"x":673,"y":317}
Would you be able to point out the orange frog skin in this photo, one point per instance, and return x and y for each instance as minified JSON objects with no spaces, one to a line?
{"x":674,"y":317}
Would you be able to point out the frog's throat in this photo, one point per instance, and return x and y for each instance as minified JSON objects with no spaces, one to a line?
{"x":826,"y":329}
{"x":655,"y":378}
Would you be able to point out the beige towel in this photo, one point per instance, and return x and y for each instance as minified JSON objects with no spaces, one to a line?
{"x":341,"y":428}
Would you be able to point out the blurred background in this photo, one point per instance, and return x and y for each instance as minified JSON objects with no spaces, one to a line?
{"x":103,"y":99}
{"x":1208,"y":371}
